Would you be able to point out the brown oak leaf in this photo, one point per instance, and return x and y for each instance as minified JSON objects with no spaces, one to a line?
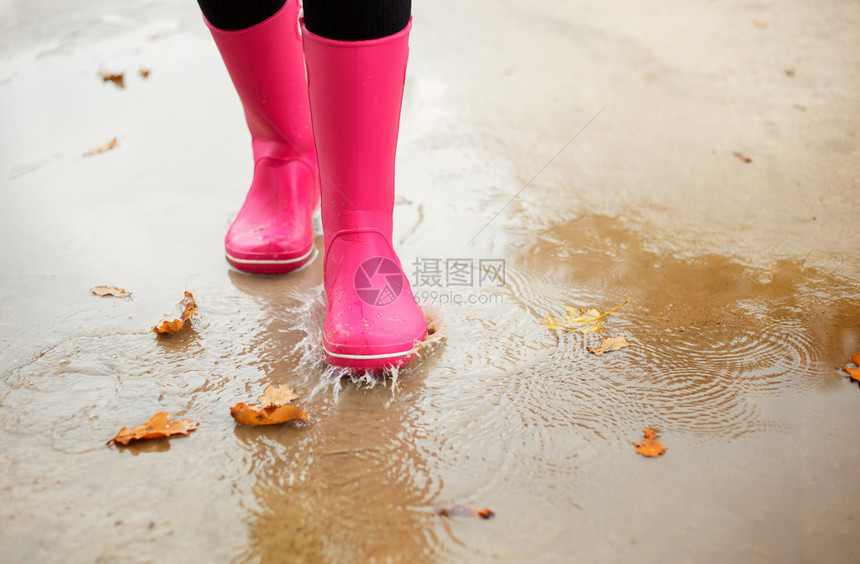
{"x":158,"y":426}
{"x":650,"y":446}
{"x":118,"y":78}
{"x":174,"y":321}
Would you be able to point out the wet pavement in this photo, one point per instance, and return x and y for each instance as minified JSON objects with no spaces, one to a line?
{"x":588,"y":147}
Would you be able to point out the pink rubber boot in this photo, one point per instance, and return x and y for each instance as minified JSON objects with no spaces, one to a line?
{"x":356,"y":88}
{"x":273,"y":232}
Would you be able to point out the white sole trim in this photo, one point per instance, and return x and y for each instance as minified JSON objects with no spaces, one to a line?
{"x":285,"y":261}
{"x":367,"y":356}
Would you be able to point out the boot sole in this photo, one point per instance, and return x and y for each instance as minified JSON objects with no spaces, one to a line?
{"x":266,"y":266}
{"x":369,"y":361}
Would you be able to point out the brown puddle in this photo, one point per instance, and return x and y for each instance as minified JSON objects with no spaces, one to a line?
{"x":709,"y":335}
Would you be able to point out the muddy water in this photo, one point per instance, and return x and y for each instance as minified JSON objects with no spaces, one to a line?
{"x":741,"y":279}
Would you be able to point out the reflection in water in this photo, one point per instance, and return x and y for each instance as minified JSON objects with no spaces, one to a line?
{"x":341,"y":491}
{"x":145,"y":447}
{"x":343,"y":487}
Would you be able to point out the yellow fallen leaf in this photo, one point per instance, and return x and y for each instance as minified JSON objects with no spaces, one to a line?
{"x":106,"y":147}
{"x":110,"y":291}
{"x":173,"y":322}
{"x":580,"y":320}
{"x":610,"y":344}
{"x":256,"y":415}
{"x":275,"y":408}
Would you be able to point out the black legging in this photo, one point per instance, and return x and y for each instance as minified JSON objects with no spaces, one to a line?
{"x":343,"y":20}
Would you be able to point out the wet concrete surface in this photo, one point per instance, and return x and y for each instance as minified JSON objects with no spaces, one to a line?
{"x":588,"y":146}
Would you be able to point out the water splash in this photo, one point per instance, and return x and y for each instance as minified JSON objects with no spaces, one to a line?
{"x":309,"y":314}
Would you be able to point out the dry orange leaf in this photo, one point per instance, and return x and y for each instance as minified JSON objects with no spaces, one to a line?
{"x":256,"y":415}
{"x":157,"y":427}
{"x":275,"y":408}
{"x":610,"y":344}
{"x":464,"y":511}
{"x":854,"y":373}
{"x":144,"y":72}
{"x":650,"y":446}
{"x":102,"y":148}
{"x":175,"y":320}
{"x":118,"y":78}
{"x":110,"y":291}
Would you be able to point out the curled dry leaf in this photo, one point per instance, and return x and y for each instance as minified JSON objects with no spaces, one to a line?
{"x":854,"y":373}
{"x":158,"y":426}
{"x":580,"y":319}
{"x":110,"y":291}
{"x":650,"y":446}
{"x":257,"y":415}
{"x":102,"y":148}
{"x":175,"y":320}
{"x":464,"y":511}
{"x":144,"y":72}
{"x":275,"y":408}
{"x":118,"y":78}
{"x":610,"y":344}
